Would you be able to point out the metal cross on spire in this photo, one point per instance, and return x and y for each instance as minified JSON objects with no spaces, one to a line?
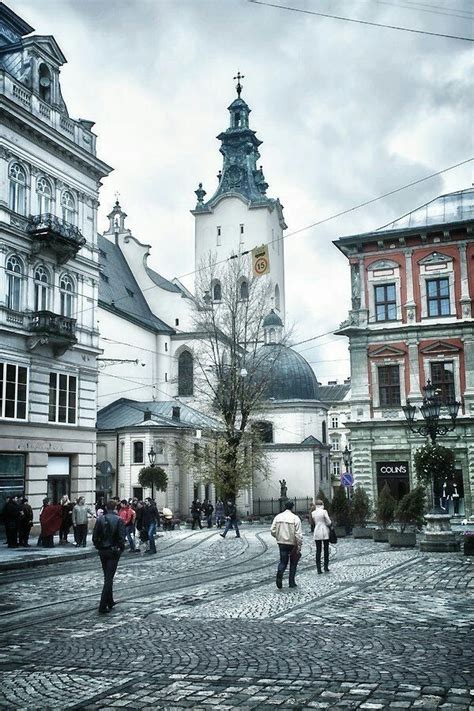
{"x":239,"y":85}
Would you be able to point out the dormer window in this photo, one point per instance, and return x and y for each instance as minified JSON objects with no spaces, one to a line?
{"x":44,"y":81}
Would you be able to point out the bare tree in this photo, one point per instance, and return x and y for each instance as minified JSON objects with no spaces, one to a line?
{"x":233,"y":366}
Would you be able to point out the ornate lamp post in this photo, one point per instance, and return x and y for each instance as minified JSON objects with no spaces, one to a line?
{"x":346,"y":478}
{"x":152,"y":460}
{"x":430,"y":410}
{"x":439,"y":536}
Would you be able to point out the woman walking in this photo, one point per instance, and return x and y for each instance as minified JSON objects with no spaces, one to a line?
{"x":80,"y":517}
{"x":321,"y":534}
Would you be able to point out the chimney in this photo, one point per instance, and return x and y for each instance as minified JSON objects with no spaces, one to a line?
{"x":147,"y":415}
{"x":176,"y":412}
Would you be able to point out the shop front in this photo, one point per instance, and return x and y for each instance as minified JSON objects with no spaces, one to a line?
{"x":396,"y":475}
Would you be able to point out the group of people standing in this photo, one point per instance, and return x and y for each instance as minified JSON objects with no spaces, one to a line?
{"x":287,"y":530}
{"x":225,"y":514}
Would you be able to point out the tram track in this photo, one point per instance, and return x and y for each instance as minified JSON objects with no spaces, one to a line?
{"x":180,"y":582}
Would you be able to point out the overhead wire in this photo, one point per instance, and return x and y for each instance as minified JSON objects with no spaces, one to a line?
{"x":360,"y":22}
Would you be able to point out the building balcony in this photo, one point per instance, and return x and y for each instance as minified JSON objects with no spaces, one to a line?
{"x":51,"y":232}
{"x":52,"y":329}
{"x":79,"y":132}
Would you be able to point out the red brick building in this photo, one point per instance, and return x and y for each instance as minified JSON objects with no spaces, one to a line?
{"x":411,"y":321}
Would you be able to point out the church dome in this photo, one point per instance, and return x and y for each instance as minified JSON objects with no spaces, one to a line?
{"x":272,"y":320}
{"x":290,"y":377}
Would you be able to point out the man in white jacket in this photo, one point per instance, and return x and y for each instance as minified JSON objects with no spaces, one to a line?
{"x":286,"y":528}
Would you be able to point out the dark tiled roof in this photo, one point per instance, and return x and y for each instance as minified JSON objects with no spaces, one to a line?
{"x":130,"y":413}
{"x":162,"y":282}
{"x":289,"y":376}
{"x":313,"y":441}
{"x":120,"y":293}
{"x":333,"y":393}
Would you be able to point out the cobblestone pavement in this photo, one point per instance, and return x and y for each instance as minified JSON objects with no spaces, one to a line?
{"x":202,"y":625}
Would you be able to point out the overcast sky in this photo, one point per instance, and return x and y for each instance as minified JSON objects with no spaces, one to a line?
{"x":346,"y":112}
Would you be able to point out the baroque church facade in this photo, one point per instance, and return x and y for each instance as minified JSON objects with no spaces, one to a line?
{"x":154,"y":317}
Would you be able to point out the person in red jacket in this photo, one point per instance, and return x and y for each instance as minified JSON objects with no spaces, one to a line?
{"x":127,"y":514}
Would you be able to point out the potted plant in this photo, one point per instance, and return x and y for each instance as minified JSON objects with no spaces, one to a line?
{"x":361,"y":509}
{"x":409,"y":512}
{"x":153,"y":478}
{"x":340,"y":512}
{"x":385,"y":514}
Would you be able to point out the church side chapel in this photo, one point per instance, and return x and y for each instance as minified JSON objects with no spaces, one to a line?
{"x":149,"y":336}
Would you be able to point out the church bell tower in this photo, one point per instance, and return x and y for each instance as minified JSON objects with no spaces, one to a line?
{"x":240,"y":216}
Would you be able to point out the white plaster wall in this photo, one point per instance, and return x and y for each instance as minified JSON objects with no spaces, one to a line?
{"x":296,"y":422}
{"x":261,"y":226}
{"x":296,"y":467}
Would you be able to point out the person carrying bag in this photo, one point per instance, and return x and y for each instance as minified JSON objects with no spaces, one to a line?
{"x":322,"y":532}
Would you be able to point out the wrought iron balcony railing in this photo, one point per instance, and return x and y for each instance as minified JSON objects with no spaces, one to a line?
{"x":56,"y":234}
{"x":58,"y":331}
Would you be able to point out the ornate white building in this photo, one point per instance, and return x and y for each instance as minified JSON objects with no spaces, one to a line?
{"x":49,"y":272}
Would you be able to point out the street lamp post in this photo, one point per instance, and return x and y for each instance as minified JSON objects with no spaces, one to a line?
{"x":152,"y":460}
{"x":431,"y":426}
{"x":346,"y":458}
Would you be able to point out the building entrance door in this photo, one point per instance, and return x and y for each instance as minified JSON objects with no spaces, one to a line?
{"x":59,"y":482}
{"x":12,"y":481}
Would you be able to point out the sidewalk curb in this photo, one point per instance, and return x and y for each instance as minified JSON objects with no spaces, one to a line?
{"x":45,"y":560}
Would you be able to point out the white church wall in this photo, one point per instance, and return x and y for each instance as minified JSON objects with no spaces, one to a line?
{"x":298,"y":421}
{"x":296,"y":467}
{"x":260,"y":225}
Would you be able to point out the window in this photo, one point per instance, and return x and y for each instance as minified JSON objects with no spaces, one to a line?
{"x":241,"y":229}
{"x":13,"y":391}
{"x":41,"y":289}
{"x":122,"y":453}
{"x":389,"y":385}
{"x":219,"y":236}
{"x":336,"y":444}
{"x":324,"y":432}
{"x":45,"y":195}
{"x":44,"y":76}
{"x":14,"y":282}
{"x":277,"y":297}
{"x":442,"y":377}
{"x":264,"y":431}
{"x":244,"y":291}
{"x":385,"y":302}
{"x":138,"y":452}
{"x":68,"y":207}
{"x":437,"y":295}
{"x":66,"y":290}
{"x":336,"y":468}
{"x":217,"y":291}
{"x":185,"y":374}
{"x":17,"y":195}
{"x":62,"y":398}
{"x":334,"y":421}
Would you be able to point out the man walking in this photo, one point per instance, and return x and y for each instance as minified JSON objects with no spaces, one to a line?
{"x":127,"y":514}
{"x":150,"y":522}
{"x":196,"y":514}
{"x":286,"y":528}
{"x":231,"y":519}
{"x":208,"y":510}
{"x":109,"y":537}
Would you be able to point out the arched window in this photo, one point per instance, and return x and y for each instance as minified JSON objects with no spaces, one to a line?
{"x":272,"y":336}
{"x":17,"y":195}
{"x":277,"y":297}
{"x":66,"y":290}
{"x":185,"y":374}
{"x":44,"y":82}
{"x":138,"y":452}
{"x":217,"y":291}
{"x":264,"y":431}
{"x":14,"y":282}
{"x":244,"y":290}
{"x":41,"y":289}
{"x":68,"y":207}
{"x":45,"y":195}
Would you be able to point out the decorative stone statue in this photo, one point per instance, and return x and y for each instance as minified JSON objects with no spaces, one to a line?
{"x":355,"y":280}
{"x":283,"y":488}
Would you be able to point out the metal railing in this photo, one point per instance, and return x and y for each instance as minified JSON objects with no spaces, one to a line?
{"x":47,"y":223}
{"x":53,"y":324}
{"x":270,"y":507}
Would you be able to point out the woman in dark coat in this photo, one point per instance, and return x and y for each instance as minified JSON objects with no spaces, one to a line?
{"x":25,"y":523}
{"x":66,"y":519}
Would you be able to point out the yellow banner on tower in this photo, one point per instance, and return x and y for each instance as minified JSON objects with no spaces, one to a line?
{"x":261,"y":260}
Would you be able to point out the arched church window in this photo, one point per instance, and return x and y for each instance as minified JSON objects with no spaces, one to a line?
{"x":244,"y":290}
{"x":185,"y":374}
{"x":272,"y":336}
{"x":217,"y":291}
{"x":277,"y":297}
{"x":264,"y":431}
